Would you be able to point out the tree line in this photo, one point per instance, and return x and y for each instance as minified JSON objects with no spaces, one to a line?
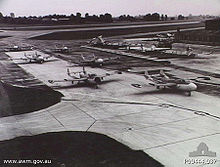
{"x":79,"y":19}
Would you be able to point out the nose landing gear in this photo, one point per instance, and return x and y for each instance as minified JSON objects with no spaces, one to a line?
{"x":188,"y":93}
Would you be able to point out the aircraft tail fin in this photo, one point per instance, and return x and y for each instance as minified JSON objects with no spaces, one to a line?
{"x":100,"y":39}
{"x":51,"y":81}
{"x":146,"y":75}
{"x":162,"y":73}
{"x":136,"y":85}
{"x":153,"y":47}
{"x":84,"y":71}
{"x":142,"y":47}
{"x":68,"y":71}
{"x":82,"y":56}
{"x":89,"y":60}
{"x":93,"y":56}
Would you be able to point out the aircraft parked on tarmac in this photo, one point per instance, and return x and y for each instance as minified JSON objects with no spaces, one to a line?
{"x":63,"y":49}
{"x":33,"y":58}
{"x":16,"y":48}
{"x":97,"y":62}
{"x":162,"y":81}
{"x":91,"y":79}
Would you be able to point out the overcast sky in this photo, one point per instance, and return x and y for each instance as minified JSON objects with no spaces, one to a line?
{"x":115,"y":7}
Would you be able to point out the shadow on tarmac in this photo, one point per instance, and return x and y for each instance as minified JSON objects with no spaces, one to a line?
{"x":69,"y":149}
{"x":17,"y":100}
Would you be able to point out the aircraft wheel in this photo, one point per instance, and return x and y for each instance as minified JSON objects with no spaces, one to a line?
{"x":158,"y":87}
{"x":75,"y":83}
{"x":188,"y":93}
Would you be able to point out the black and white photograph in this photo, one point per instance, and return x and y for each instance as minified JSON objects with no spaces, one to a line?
{"x":109,"y":83}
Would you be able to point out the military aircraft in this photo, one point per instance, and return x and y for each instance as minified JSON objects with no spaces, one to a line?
{"x":97,"y":41}
{"x":162,"y":81}
{"x":16,"y":48}
{"x":166,"y":35}
{"x":157,"y":37}
{"x":64,"y":49}
{"x":144,"y":49}
{"x":85,"y":77}
{"x":97,"y":62}
{"x":33,"y":58}
{"x":100,"y":42}
{"x":188,"y":53}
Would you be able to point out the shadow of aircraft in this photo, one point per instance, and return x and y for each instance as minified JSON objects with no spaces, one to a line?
{"x":160,"y":91}
{"x":84,"y":84}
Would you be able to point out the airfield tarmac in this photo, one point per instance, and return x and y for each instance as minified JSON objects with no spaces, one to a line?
{"x":165,"y":125}
{"x":158,"y":123}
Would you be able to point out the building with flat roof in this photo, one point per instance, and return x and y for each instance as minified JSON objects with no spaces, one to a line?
{"x":210,"y":35}
{"x":213,"y":24}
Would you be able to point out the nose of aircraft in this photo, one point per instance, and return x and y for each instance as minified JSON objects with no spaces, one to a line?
{"x":192,"y":86}
{"x":100,"y":60}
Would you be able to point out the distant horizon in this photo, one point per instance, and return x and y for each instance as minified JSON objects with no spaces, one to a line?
{"x":91,"y":14}
{"x":115,"y":8}
{"x":83,"y":15}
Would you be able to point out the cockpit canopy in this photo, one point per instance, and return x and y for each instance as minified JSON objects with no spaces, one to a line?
{"x":92,"y":75}
{"x":182,"y":81}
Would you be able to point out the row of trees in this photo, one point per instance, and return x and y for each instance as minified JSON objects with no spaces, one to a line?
{"x":58,"y":19}
{"x":79,"y":19}
{"x":147,"y":17}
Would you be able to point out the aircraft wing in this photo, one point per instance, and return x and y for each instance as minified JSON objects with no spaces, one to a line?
{"x":88,"y":61}
{"x":28,"y":57}
{"x":143,"y":39}
{"x":67,"y":80}
{"x":47,"y":57}
{"x":209,"y":53}
{"x":137,"y":72}
{"x":19,"y":58}
{"x":18,"y":48}
{"x":56,"y":50}
{"x":153,"y":84}
{"x":162,"y":84}
{"x":109,"y":59}
{"x":154,"y":48}
{"x":108,"y":74}
{"x":161,"y":49}
{"x":61,"y":50}
{"x":76,"y":79}
{"x":105,"y":75}
{"x":139,"y":85}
